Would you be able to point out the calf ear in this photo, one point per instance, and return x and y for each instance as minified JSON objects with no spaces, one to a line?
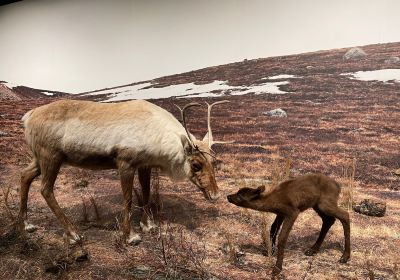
{"x":260,"y":189}
{"x":187,"y":147}
{"x":257,"y":192}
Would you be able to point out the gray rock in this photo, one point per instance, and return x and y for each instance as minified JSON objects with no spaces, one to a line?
{"x":277,"y":113}
{"x":354,"y":53}
{"x":392,"y":60}
{"x":142,"y":271}
{"x":370,"y":207}
{"x":4,"y":134}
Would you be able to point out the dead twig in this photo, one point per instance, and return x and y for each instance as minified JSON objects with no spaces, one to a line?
{"x":6,"y":193}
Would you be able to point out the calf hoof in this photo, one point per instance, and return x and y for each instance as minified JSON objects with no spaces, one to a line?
{"x":276,"y":270}
{"x":149,"y":226}
{"x":310,"y":252}
{"x":133,"y":239}
{"x":344,"y":259}
{"x":274,"y":250}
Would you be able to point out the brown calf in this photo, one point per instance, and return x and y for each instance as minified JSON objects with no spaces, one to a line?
{"x":290,"y":198}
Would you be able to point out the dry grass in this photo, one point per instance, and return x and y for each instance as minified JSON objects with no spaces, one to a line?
{"x":331,"y":119}
{"x":181,"y":254}
{"x":6,"y":196}
{"x":189,"y":224}
{"x":348,"y":184}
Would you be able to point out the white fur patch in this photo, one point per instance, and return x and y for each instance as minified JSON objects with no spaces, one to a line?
{"x":149,"y":227}
{"x":29,"y":227}
{"x":74,"y":239}
{"x":133,"y":238}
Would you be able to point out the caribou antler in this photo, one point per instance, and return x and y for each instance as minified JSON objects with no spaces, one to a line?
{"x":208,"y":137}
{"x":183,"y":116}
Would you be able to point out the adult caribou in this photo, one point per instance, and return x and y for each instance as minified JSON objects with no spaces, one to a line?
{"x":127,"y":136}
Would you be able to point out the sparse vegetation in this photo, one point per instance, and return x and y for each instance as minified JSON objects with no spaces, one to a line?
{"x":181,"y":254}
{"x":348,"y":182}
{"x":332,"y":120}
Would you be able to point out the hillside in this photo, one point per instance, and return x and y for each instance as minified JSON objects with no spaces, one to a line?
{"x":304,"y":73}
{"x":10,"y":92}
{"x":340,"y":113}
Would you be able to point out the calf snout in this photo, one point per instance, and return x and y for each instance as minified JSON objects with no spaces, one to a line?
{"x":231,"y":198}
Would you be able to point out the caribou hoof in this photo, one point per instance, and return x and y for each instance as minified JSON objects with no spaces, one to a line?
{"x":310,"y":252}
{"x":133,"y":239}
{"x":29,"y":227}
{"x":344,"y":259}
{"x":73,"y":239}
{"x":148,"y":227}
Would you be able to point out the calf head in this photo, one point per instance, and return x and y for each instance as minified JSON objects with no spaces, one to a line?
{"x":245,"y":196}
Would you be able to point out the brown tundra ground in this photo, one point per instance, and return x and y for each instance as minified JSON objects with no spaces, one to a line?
{"x":333,"y":122}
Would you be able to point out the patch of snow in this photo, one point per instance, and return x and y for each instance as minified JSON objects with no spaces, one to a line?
{"x":120,"y":89}
{"x":214,"y":89}
{"x":383,"y":75}
{"x":204,"y":94}
{"x":282,"y":76}
{"x":48,"y":93}
{"x":272,"y":88}
{"x":181,"y":90}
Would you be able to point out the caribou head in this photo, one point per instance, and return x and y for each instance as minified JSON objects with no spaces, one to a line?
{"x":200,"y":156}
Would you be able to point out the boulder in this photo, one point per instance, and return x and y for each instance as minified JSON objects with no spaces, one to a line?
{"x":276,"y":113}
{"x":354,"y":53}
{"x":141,"y":272}
{"x":392,"y":60}
{"x":370,"y":207}
{"x":4,"y":134}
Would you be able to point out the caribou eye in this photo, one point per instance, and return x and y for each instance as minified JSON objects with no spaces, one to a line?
{"x":196,"y":166}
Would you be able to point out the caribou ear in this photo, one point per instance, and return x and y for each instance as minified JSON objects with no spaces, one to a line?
{"x":205,"y":138}
{"x":187,"y":147}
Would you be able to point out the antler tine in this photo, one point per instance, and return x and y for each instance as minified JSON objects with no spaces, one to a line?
{"x":183,"y":116}
{"x":210,"y":137}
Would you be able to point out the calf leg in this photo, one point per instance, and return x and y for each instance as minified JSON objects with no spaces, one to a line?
{"x":343,"y":216}
{"x":50,"y":168}
{"x":146,"y":222}
{"x":127,"y":175}
{"x":274,"y":230}
{"x":27,"y":176}
{"x":283,"y":236}
{"x":327,"y":222}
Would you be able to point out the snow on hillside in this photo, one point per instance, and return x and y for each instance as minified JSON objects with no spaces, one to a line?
{"x":216,"y":88}
{"x":282,"y":76}
{"x":383,"y":75}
